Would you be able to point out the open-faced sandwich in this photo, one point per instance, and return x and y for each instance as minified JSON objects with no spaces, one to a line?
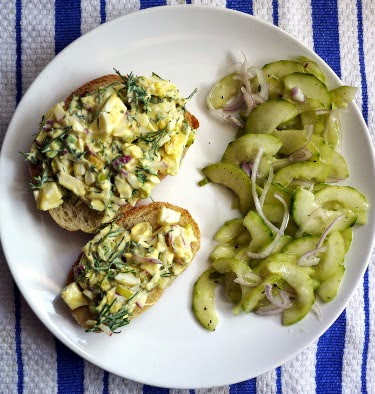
{"x":107,"y":145}
{"x":125,"y":268}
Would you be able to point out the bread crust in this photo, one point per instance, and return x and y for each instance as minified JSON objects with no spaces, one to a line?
{"x":68,"y":215}
{"x":129,"y":217}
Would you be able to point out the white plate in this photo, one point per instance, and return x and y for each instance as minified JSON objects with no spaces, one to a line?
{"x":166,"y":346}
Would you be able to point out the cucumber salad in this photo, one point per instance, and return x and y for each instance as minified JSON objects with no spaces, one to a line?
{"x":288,"y":248}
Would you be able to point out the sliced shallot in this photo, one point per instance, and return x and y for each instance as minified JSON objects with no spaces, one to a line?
{"x":303,"y":260}
{"x":269,"y":310}
{"x":297,"y":94}
{"x":286,"y":303}
{"x":255,"y":194}
{"x":145,"y":260}
{"x":315,"y":308}
{"x":266,"y":252}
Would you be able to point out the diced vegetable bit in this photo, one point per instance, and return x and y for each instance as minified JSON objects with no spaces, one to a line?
{"x":73,"y":296}
{"x":120,"y":267}
{"x":287,"y":150}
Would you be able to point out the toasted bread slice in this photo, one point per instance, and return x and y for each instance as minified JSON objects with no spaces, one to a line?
{"x":146,"y":213}
{"x":75,"y":215}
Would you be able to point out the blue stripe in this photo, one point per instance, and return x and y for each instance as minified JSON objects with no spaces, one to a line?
{"x":67,"y":22}
{"x":248,"y":387}
{"x":365,"y":116}
{"x":241,"y":5}
{"x":275,"y":12}
{"x":278,"y":381}
{"x":105,"y":382}
{"x":151,"y":3}
{"x":326,"y":32}
{"x":191,"y":391}
{"x":17,"y":327}
{"x":329,"y":357}
{"x":70,"y":370}
{"x":103,"y":14}
{"x":188,"y":1}
{"x":16,"y":293}
{"x":330,"y":351}
{"x":154,"y":390}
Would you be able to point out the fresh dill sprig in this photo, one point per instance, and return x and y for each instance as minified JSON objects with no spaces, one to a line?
{"x":134,"y":91}
{"x":112,"y":320}
{"x":29,"y":157}
{"x":39,"y":180}
{"x":192,"y":94}
{"x":153,"y":140}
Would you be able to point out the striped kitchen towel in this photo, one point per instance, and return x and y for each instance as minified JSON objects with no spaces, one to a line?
{"x":31,"y":33}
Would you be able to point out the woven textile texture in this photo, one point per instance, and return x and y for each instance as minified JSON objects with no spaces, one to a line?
{"x":31,"y":33}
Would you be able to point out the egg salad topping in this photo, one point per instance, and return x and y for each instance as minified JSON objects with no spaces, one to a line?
{"x":110,"y":147}
{"x":119,"y":268}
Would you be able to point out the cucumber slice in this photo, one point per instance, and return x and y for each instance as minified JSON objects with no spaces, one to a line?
{"x":227,"y":251}
{"x":223,"y":91}
{"x":348,"y":197}
{"x":242,"y":270}
{"x":308,"y":105}
{"x":339,"y":168}
{"x":267,"y":116}
{"x":347,"y":236}
{"x":282,"y":244}
{"x":274,"y":213}
{"x":242,"y":254}
{"x":292,"y":140}
{"x":311,"y":67}
{"x":275,"y":88}
{"x":332,"y":259}
{"x":260,"y":233}
{"x":305,"y":212}
{"x":293,"y":123}
{"x":246,"y":148}
{"x":261,"y":267}
{"x":342,"y":96}
{"x":300,"y":246}
{"x":311,"y":118}
{"x":281,"y":68}
{"x":325,"y":157}
{"x":303,"y":205}
{"x":243,"y":238}
{"x":203,"y":300}
{"x":304,"y":171}
{"x":234,"y":179}
{"x":302,"y":284}
{"x":277,"y":189}
{"x":329,"y":289}
{"x":332,"y":131}
{"x":250,"y":299}
{"x":229,"y":230}
{"x":311,"y":86}
{"x":232,"y":290}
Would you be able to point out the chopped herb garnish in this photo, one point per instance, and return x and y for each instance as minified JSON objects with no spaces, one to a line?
{"x":192,"y":94}
{"x":29,"y":157}
{"x":39,"y":180}
{"x":153,"y":139}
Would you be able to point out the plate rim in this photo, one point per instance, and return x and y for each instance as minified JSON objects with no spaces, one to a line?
{"x":18,"y":279}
